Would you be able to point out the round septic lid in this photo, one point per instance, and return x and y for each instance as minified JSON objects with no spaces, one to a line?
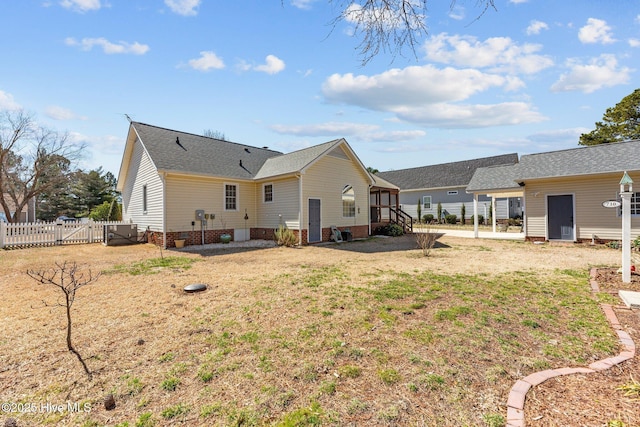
{"x":195,"y":287}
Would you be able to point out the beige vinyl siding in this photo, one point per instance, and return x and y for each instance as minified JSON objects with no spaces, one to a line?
{"x":590,"y":217}
{"x":285,"y":206}
{"x":145,"y":173}
{"x":325,"y":180}
{"x":187,"y":194}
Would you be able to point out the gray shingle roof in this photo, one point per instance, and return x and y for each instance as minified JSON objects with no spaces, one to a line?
{"x":501,"y":177}
{"x":595,"y":159}
{"x":201,"y":155}
{"x":456,"y":174}
{"x":295,"y":161}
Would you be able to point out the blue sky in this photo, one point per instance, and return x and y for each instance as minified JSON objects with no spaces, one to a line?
{"x":529,"y":77}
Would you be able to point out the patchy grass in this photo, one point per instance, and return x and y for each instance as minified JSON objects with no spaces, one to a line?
{"x":300,"y":337}
{"x":152,"y":266}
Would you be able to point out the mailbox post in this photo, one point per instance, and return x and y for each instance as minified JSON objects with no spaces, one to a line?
{"x":626,"y":190}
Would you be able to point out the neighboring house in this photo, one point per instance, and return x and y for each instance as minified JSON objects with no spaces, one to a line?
{"x":27,"y":214}
{"x":563,"y":191}
{"x":446,"y":184}
{"x":180,"y":185}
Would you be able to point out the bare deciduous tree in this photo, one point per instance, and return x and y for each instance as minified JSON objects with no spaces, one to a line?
{"x":68,"y":279}
{"x":390,"y":25}
{"x":33,"y":160}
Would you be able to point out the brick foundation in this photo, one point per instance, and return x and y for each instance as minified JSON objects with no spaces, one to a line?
{"x":213,"y":236}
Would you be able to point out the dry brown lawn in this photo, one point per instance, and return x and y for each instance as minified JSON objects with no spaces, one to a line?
{"x":362,"y":333}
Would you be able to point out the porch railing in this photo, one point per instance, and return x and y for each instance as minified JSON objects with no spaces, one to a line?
{"x":402,"y":218}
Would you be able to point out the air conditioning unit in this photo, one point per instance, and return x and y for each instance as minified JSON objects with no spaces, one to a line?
{"x":120,"y":234}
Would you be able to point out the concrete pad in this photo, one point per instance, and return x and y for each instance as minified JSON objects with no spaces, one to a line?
{"x":630,"y":298}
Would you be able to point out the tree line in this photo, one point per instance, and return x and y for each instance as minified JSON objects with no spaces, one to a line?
{"x":37,"y":166}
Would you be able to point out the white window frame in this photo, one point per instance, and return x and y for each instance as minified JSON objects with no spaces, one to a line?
{"x":424,"y":202}
{"x":264,"y":192}
{"x":349,"y":209}
{"x":236,"y":196}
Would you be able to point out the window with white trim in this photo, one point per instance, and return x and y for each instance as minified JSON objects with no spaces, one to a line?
{"x":230,"y":197}
{"x":267,"y":191}
{"x":348,"y":202}
{"x":426,"y":202}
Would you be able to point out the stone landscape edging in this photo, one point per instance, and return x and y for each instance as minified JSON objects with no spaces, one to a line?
{"x":518,"y":393}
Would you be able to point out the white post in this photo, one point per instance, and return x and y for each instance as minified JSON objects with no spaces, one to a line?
{"x":475,"y":215}
{"x":493,"y":212}
{"x":626,"y":190}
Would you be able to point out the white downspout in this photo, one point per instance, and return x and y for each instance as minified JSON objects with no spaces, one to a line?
{"x":369,"y":210}
{"x":299,"y":209}
{"x":163,"y":176}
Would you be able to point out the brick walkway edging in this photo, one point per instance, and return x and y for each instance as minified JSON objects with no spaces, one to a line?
{"x":518,"y":393}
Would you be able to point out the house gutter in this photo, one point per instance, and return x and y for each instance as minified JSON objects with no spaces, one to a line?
{"x":369,"y":208}
{"x":163,"y":176}
{"x":299,"y":176}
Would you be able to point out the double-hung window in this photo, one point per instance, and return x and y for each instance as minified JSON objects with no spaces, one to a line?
{"x":268,"y":193}
{"x":426,"y":202}
{"x":230,"y":197}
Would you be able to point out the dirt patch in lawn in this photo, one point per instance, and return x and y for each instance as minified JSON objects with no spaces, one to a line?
{"x":361,"y":333}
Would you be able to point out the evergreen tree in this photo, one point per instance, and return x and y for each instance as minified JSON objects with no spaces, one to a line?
{"x":619,"y":123}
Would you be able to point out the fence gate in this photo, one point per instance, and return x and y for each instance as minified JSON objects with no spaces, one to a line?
{"x":52,"y":233}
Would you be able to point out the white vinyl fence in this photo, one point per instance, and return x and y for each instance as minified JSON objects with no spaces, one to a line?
{"x":31,"y":234}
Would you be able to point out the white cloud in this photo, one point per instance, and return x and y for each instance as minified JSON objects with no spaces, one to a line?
{"x":599,"y":73}
{"x":471,"y":116}
{"x":634,"y":42}
{"x":415,"y":85}
{"x":361,"y":131}
{"x":430,"y":97}
{"x":302,"y":4}
{"x":81,"y":5}
{"x":60,"y":113}
{"x":518,"y":1}
{"x":325,"y":129}
{"x":557,"y":135}
{"x":183,"y":7}
{"x":107,"y":145}
{"x":7,"y":102}
{"x":596,"y":31}
{"x":457,"y":12}
{"x":107,"y":46}
{"x":535,"y":27}
{"x":208,"y":60}
{"x":273,"y":65}
{"x":496,"y":53}
{"x":393,"y":136}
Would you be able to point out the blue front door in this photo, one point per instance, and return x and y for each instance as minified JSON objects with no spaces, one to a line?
{"x":315,"y":225}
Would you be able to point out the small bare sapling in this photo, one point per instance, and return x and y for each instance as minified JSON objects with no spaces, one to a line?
{"x":426,"y":240}
{"x":68,"y":279}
